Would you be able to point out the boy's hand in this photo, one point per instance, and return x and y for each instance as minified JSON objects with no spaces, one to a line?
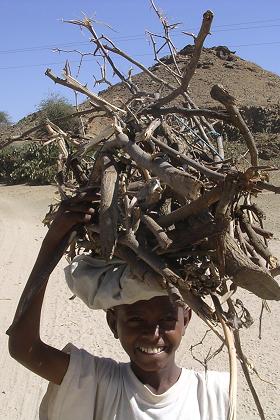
{"x":71,"y":213}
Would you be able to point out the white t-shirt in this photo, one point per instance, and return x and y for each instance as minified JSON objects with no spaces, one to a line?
{"x":96,"y":388}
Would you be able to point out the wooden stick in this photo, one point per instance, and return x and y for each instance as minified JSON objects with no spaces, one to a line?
{"x":94,"y":143}
{"x":265,"y":233}
{"x":229,"y":340}
{"x":72,"y":83}
{"x":193,"y":235}
{"x":191,"y":66}
{"x":246,"y":274}
{"x":141,"y":269}
{"x":243,"y":362}
{"x":275,"y":271}
{"x":188,"y":113}
{"x":255,"y":239}
{"x":108,"y":213}
{"x":195,"y":207}
{"x":163,"y":240}
{"x":269,"y":187}
{"x":215,"y":176}
{"x":183,"y":183}
{"x":254,"y":256}
{"x":220,"y":94}
{"x":25,"y":134}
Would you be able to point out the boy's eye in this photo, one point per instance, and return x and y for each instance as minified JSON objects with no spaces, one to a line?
{"x":135,"y":319}
{"x":170,"y":318}
{"x":169,"y":321}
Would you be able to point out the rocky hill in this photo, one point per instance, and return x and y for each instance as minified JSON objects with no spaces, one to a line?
{"x":256,"y":90}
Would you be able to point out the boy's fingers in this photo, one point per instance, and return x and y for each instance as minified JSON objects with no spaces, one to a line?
{"x":86,"y":218}
{"x":70,"y":215}
{"x":81,"y":208}
{"x":76,"y":218}
{"x":89,"y":196}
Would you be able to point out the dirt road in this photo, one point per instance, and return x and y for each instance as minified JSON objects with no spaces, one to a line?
{"x":22,"y":209}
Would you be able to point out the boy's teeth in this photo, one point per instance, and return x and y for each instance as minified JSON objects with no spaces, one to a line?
{"x":151,"y":350}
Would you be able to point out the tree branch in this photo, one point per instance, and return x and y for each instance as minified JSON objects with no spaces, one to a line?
{"x":70,"y":82}
{"x":191,"y":66}
{"x":220,"y":94}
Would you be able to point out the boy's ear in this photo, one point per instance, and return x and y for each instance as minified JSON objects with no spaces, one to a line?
{"x":111,"y":318}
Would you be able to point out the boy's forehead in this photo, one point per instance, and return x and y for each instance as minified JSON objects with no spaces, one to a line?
{"x":156,"y":303}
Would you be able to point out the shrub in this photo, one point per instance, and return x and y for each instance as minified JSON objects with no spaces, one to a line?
{"x":4,"y":118}
{"x":56,"y":107}
{"x":30,"y":163}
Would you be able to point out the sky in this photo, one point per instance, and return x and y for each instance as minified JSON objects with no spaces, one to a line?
{"x":31,"y":29}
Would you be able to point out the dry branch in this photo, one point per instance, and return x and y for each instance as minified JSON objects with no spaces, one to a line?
{"x":169,"y":277}
{"x":188,"y":113}
{"x":71,"y":83}
{"x":246,"y":274}
{"x":195,"y":207}
{"x":191,"y":66}
{"x":108,"y":208}
{"x":220,"y":94}
{"x":257,"y":243}
{"x":229,"y":339}
{"x":183,"y":183}
{"x":243,"y":362}
{"x":269,"y":187}
{"x":162,"y":238}
{"x":213,"y":175}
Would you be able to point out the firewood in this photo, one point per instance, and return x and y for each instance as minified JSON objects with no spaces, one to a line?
{"x":174,"y":205}
{"x":108,"y":215}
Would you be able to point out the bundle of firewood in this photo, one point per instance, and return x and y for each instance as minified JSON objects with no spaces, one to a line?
{"x":166,"y":207}
{"x":170,"y":201}
{"x":172,"y":206}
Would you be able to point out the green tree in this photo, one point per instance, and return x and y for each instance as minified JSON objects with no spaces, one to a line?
{"x":4,"y":118}
{"x":29,"y":163}
{"x":55,"y":108}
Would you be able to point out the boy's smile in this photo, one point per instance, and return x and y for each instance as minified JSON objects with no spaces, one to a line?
{"x":150,"y":332}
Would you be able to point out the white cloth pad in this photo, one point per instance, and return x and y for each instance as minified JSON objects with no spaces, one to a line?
{"x":103,"y":285}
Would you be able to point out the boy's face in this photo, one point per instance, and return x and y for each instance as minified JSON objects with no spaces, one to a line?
{"x":150,"y":331}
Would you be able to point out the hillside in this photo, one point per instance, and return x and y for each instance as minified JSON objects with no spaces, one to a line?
{"x":251,"y":84}
{"x":256,"y":90}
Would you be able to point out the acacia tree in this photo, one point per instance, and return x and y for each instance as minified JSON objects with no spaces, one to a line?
{"x":57,"y":108}
{"x":4,"y":118}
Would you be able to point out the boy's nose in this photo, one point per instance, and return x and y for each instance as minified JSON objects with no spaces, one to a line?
{"x":152,"y":331}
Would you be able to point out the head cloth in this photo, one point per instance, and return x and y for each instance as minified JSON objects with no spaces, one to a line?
{"x":103,"y":285}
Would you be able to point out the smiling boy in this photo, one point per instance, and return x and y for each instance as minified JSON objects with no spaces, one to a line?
{"x":149,"y":326}
{"x":150,"y":332}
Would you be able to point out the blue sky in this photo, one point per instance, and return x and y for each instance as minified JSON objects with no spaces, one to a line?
{"x":31,"y":28}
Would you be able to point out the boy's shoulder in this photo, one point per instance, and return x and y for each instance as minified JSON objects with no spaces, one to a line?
{"x":85,"y":375}
{"x":88,"y":363}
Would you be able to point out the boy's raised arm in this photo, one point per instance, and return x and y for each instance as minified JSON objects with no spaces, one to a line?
{"x":25,"y":344}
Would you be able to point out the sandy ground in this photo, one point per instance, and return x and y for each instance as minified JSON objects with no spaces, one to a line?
{"x":22,"y":209}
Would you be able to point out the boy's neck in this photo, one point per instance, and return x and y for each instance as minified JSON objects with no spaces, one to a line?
{"x":159,"y":381}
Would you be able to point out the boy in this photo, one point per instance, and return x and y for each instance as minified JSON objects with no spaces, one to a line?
{"x":150,"y":329}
